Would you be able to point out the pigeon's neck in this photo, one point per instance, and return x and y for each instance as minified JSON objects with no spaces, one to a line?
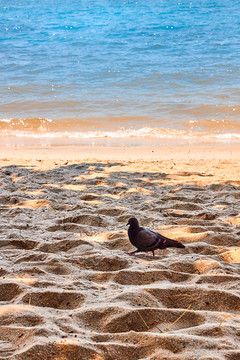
{"x":135,"y":227}
{"x":133,"y":231}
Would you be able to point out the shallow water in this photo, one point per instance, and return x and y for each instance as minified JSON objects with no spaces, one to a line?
{"x":111,"y":65}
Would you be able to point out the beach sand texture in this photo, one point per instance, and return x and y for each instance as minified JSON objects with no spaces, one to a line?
{"x":68,"y":289}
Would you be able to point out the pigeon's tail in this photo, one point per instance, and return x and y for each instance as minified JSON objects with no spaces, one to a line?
{"x":166,"y":243}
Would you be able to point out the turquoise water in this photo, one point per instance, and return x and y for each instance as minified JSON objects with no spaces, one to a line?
{"x":108,"y":65}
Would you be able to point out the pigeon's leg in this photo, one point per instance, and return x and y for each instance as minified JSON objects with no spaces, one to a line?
{"x":153,"y":252}
{"x":133,"y":252}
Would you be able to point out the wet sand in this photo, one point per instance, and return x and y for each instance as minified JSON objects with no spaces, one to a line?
{"x":68,"y":288}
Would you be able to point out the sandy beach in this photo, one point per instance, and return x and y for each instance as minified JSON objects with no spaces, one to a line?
{"x":68,"y":288}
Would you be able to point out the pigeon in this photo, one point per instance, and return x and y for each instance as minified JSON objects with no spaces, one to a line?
{"x":147,"y":240}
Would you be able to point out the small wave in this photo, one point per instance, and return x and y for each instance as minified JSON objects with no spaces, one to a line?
{"x":213,"y":125}
{"x":31,"y":124}
{"x":206,"y":110}
{"x":119,"y":128}
{"x":145,"y":132}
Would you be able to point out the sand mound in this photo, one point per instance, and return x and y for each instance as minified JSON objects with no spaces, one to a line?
{"x":68,"y":289}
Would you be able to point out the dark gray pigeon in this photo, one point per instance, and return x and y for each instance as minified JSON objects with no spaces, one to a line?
{"x":146,"y":240}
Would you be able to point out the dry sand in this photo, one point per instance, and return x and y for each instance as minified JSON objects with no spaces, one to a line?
{"x":68,"y":290}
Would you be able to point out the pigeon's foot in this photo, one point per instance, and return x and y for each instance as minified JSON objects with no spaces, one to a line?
{"x":132,"y":252}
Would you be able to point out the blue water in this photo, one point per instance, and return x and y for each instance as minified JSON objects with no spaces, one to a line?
{"x":160,"y":63}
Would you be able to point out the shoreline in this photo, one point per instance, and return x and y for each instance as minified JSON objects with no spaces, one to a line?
{"x":117,"y":149}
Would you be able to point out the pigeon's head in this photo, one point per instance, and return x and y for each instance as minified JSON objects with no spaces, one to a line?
{"x":133,"y":222}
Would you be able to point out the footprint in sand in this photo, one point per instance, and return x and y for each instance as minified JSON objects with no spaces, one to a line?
{"x":54,"y":299}
{"x":9,"y":291}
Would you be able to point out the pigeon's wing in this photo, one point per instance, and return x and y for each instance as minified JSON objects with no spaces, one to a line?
{"x":146,"y":240}
{"x":164,"y":242}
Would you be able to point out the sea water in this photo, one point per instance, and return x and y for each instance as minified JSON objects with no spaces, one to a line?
{"x":120,"y":68}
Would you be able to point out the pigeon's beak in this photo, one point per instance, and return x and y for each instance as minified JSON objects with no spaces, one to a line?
{"x":127,"y":223}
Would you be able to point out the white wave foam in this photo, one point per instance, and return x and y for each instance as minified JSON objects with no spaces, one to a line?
{"x":228,"y":136}
{"x":145,"y":132}
{"x":6,"y":120}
